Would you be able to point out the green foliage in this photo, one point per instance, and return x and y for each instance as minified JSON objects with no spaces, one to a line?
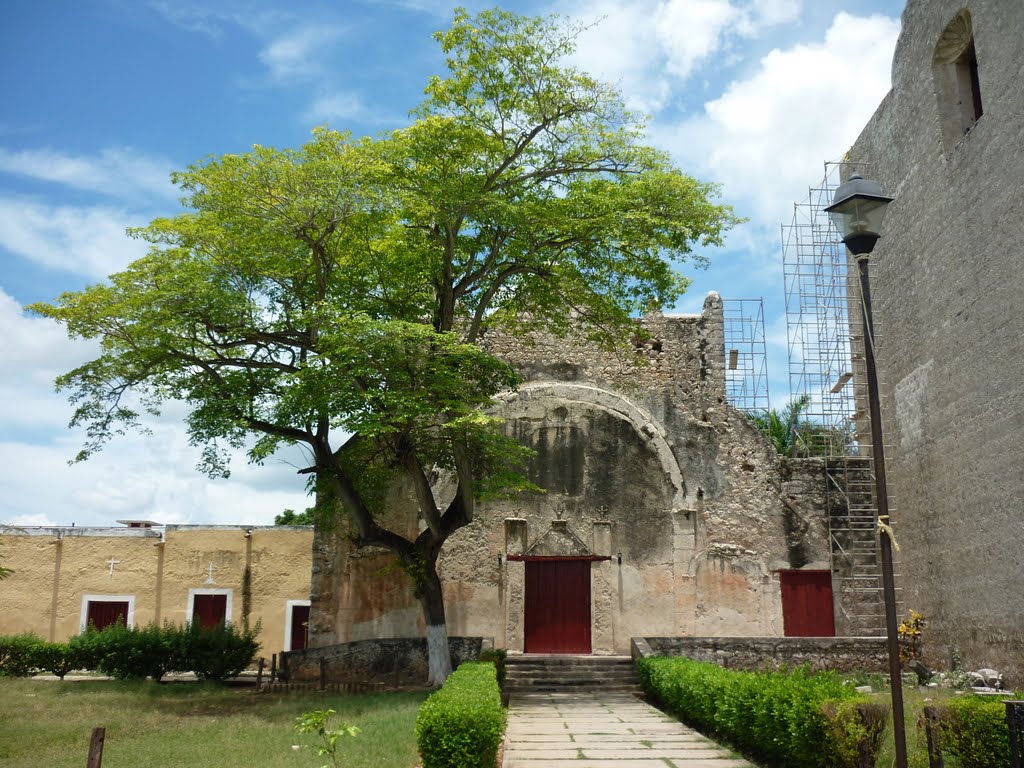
{"x":214,"y":653}
{"x":318,"y":722}
{"x":219,"y":652}
{"x":497,"y":657}
{"x":778,"y":717}
{"x":460,"y":725}
{"x":133,"y":652}
{"x":975,"y":730}
{"x":780,"y":427}
{"x":18,"y":654}
{"x":291,"y":517}
{"x":345,"y":285}
{"x":855,"y":730}
{"x":57,"y":658}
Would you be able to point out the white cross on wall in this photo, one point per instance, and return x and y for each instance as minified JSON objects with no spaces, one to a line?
{"x":209,"y":573}
{"x":112,"y":562}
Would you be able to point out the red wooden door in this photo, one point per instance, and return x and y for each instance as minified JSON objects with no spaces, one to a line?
{"x":300,"y":627}
{"x":209,"y":610}
{"x":807,"y":604}
{"x":557,"y":611}
{"x":103,"y":613}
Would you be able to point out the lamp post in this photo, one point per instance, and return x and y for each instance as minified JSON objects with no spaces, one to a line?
{"x":858,"y":210}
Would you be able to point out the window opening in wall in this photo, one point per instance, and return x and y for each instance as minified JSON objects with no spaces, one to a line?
{"x":296,"y":631}
{"x":102,"y":611}
{"x":970,"y":88}
{"x":209,"y":607}
{"x":957,"y":80}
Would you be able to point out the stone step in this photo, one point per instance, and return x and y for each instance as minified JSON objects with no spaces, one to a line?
{"x":556,"y":673}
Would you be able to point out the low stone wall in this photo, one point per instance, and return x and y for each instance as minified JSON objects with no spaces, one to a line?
{"x":396,"y":662}
{"x":840,"y":654}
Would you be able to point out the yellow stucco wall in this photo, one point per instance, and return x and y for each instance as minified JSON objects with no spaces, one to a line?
{"x":158,"y":570}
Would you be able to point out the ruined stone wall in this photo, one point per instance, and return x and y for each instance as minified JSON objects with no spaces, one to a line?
{"x":679,"y":499}
{"x":947,"y":283}
{"x":56,"y":569}
{"x":838,"y":654}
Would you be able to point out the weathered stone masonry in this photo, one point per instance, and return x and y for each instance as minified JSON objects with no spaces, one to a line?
{"x":948,"y":296}
{"x":672,"y":493}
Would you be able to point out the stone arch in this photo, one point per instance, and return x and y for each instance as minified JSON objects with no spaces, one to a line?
{"x":616,"y":405}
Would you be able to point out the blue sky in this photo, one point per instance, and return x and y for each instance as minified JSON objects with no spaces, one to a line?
{"x":102,"y":99}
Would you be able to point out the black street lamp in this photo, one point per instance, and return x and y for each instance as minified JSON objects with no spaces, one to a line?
{"x":858,"y":210}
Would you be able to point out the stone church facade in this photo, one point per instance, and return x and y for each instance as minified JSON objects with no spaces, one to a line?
{"x":666,"y":513}
{"x":947,"y":143}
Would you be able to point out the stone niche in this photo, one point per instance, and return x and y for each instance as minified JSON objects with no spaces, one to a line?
{"x":667,"y":494}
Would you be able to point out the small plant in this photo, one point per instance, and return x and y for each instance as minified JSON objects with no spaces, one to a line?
{"x":318,"y":722}
{"x":910,"y":631}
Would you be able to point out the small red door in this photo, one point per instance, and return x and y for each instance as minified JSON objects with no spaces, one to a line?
{"x":557,"y":611}
{"x":103,"y":613}
{"x":807,"y":604}
{"x":300,"y":627}
{"x":209,"y":610}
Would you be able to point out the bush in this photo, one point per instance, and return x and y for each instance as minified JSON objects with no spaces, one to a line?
{"x":17,"y":654}
{"x":975,"y":730}
{"x":794,"y":719}
{"x":217,"y":653}
{"x":460,"y":725}
{"x":56,"y":658}
{"x":497,"y":657}
{"x":129,"y":652}
{"x":855,"y":731}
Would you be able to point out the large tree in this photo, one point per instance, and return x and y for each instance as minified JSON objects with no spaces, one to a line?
{"x":342,"y":287}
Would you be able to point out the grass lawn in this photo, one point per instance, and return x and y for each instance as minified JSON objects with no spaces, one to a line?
{"x":193,"y":724}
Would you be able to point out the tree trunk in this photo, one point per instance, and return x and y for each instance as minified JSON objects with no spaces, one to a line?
{"x":439,"y":660}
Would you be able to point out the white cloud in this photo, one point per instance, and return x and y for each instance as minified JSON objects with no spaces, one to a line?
{"x":766,"y":138}
{"x":297,"y":54}
{"x":88,"y":241}
{"x":135,"y":476}
{"x":651,"y":47}
{"x":119,"y":172}
{"x":34,"y":350}
{"x":336,"y":105}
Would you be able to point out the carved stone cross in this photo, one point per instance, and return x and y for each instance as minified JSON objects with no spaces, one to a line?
{"x":112,"y":562}
{"x":209,"y":573}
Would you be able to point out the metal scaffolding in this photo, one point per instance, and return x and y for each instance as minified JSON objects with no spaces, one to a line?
{"x":746,"y":359}
{"x":826,"y":375}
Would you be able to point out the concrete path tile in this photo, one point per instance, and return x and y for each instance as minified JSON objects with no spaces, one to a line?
{"x":591,"y":730}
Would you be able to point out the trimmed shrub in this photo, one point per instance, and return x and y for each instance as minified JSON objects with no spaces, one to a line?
{"x":778,"y":717}
{"x":975,"y":730}
{"x":460,"y":725}
{"x":17,"y":654}
{"x":217,"y":653}
{"x":497,"y":657}
{"x":130,"y":652}
{"x":56,"y":658}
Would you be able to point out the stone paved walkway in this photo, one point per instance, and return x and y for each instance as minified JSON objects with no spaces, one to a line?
{"x":599,"y":730}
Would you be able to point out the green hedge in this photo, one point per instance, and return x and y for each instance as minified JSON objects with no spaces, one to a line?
{"x":17,"y":654}
{"x":215,"y":653}
{"x":460,"y":725}
{"x":793,"y":719}
{"x":975,"y":730}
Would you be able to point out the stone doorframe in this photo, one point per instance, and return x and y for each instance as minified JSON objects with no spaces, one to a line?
{"x":559,"y":542}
